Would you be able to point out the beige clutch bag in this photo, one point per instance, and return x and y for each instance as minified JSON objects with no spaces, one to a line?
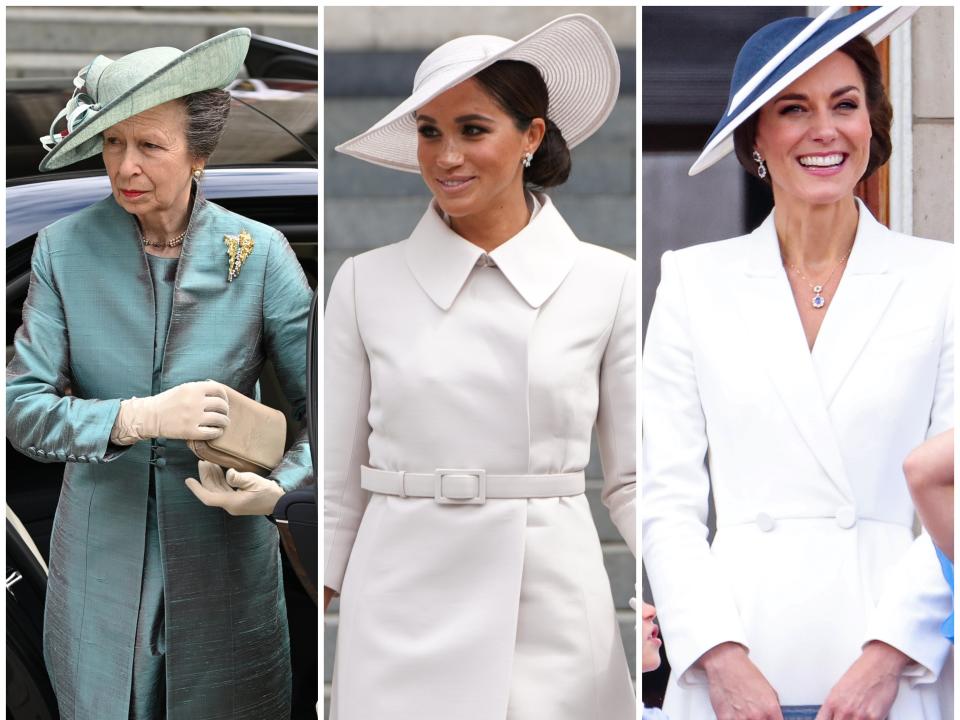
{"x":254,"y":440}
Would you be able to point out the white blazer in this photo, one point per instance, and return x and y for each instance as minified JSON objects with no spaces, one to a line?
{"x":437,"y":356}
{"x":814,"y":553}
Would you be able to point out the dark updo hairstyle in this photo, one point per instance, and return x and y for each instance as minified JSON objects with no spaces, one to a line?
{"x":207,"y":113}
{"x":861,"y":51}
{"x":518,"y":88}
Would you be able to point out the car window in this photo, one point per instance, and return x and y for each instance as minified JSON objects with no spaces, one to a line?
{"x":270,"y":121}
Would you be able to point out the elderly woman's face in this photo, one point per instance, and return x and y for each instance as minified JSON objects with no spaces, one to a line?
{"x":815,"y":135}
{"x":470,"y":151}
{"x":651,"y":639}
{"x":147,"y":159}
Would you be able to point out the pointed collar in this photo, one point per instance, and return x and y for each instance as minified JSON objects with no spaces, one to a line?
{"x":868,"y":255}
{"x":535,"y":261}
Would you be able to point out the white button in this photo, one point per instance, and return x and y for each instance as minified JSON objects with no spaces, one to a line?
{"x":846,"y":516}
{"x":765,"y":522}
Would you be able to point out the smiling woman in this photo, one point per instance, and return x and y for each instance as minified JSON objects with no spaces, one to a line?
{"x":770,"y":384}
{"x":465,"y":368}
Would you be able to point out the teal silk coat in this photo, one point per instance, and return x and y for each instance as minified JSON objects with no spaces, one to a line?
{"x":85,"y":344}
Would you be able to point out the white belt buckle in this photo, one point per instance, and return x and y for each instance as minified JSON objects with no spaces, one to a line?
{"x":459,"y":486}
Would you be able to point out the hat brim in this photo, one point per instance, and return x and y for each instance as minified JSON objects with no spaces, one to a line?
{"x":578,"y":63}
{"x":212,"y":64}
{"x":875,"y":26}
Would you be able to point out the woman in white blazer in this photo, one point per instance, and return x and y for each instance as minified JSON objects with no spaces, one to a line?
{"x":465,"y":368}
{"x":790,"y":371}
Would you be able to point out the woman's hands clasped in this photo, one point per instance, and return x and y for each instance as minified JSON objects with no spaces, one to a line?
{"x":738,"y":690}
{"x":867,"y":690}
{"x":191,"y":411}
{"x":239,"y":493}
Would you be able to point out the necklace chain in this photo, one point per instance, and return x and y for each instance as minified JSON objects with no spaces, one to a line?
{"x":818,"y":300}
{"x":169,"y":243}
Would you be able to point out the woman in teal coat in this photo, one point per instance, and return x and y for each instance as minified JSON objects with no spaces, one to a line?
{"x":160,"y":602}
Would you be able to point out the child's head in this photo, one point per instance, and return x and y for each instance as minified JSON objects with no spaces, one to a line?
{"x":651,"y":639}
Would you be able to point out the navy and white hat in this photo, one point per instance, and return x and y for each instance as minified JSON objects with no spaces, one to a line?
{"x":779,"y":53}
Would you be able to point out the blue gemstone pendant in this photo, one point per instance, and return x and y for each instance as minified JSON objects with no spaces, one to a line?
{"x":818,"y":301}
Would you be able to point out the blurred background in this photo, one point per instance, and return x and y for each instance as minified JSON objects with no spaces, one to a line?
{"x":370,"y":57}
{"x":47,"y":46}
{"x":54,"y":41}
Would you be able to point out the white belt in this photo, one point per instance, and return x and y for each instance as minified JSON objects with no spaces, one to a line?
{"x":462,"y":486}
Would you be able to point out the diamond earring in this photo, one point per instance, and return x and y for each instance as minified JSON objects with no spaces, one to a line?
{"x":761,"y":168}
{"x":527,"y":159}
{"x":197,"y":173}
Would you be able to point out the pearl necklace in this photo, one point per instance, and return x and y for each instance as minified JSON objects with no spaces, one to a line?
{"x":170,"y":243}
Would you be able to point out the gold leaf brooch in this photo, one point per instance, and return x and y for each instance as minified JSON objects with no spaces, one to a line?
{"x":239,"y":248}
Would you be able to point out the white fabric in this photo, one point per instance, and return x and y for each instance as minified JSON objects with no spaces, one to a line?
{"x":814,"y":553}
{"x":501,"y":610}
{"x":469,"y":484}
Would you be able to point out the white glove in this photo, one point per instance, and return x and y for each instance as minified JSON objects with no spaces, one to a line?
{"x":239,"y":493}
{"x":191,"y":411}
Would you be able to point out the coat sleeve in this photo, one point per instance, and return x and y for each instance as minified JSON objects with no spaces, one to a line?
{"x":346,"y":430}
{"x":617,"y":415}
{"x":916,"y":599}
{"x":694,"y":601}
{"x":44,"y":420}
{"x":286,"y":307}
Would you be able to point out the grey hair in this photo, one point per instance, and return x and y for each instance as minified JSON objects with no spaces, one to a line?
{"x":207,"y":112}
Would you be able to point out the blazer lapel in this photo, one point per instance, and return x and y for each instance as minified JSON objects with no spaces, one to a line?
{"x":767,"y":305}
{"x":862,"y":298}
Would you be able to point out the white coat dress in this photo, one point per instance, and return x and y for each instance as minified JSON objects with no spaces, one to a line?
{"x":814,"y":553}
{"x":439,"y":356}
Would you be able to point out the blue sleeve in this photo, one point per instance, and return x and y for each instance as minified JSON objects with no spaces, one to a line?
{"x":947,"y":567}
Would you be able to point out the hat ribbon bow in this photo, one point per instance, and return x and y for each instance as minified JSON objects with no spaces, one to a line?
{"x":79,"y":109}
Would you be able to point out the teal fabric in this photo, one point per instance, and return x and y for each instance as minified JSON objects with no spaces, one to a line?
{"x":87,"y":341}
{"x":148,"y":690}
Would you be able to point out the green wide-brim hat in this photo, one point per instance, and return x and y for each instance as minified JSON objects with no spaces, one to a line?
{"x":119,"y":89}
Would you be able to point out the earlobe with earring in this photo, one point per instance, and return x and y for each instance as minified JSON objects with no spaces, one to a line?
{"x":761,"y":168}
{"x":527,"y":159}
{"x":197,"y":173}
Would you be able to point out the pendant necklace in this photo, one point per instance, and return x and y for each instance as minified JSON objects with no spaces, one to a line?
{"x":818,"y":300}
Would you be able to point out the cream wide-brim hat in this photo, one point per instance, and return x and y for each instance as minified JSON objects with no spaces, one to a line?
{"x":119,"y":89}
{"x":779,"y":53}
{"x":574,"y":54}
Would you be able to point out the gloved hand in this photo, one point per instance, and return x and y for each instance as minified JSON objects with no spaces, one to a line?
{"x":239,"y":493}
{"x":191,"y":411}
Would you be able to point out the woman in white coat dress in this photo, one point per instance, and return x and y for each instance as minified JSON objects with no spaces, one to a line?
{"x":790,"y":371}
{"x":465,"y":368}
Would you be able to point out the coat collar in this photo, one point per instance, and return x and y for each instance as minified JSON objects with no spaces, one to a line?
{"x":807,"y":382}
{"x":535,"y":261}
